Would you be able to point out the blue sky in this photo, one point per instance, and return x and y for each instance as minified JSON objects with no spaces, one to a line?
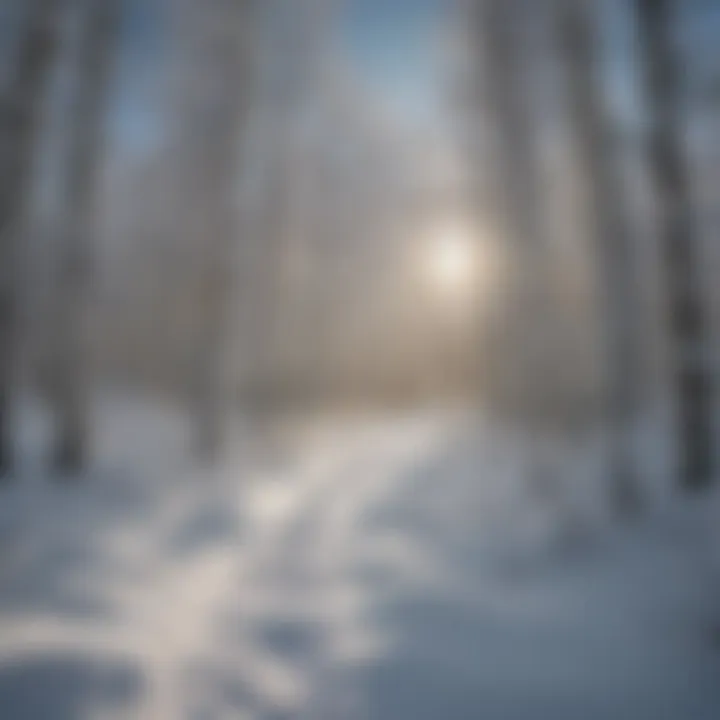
{"x":390,"y":42}
{"x":393,"y":45}
{"x":134,"y":115}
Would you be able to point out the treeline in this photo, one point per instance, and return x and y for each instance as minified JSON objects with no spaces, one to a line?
{"x":568,"y":335}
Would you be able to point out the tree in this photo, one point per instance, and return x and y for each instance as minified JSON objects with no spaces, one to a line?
{"x":82,"y":171}
{"x":210,"y":92}
{"x":513,"y":165}
{"x":527,"y":374}
{"x":687,"y":322}
{"x":606,"y":223}
{"x":21,"y":106}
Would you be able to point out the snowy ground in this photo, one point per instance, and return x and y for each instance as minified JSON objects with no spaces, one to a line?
{"x":382,"y":568}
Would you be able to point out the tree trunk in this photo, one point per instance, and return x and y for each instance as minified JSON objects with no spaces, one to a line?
{"x":20,"y":113}
{"x":82,"y":169}
{"x":212,"y":73}
{"x":605,"y":221}
{"x":687,"y":320}
{"x":513,"y":153}
{"x":526,"y":351}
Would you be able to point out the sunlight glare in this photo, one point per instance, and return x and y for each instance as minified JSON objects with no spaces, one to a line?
{"x":450,"y":262}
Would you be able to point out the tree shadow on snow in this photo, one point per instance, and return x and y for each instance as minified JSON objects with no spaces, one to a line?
{"x":54,"y":554}
{"x":68,"y":687}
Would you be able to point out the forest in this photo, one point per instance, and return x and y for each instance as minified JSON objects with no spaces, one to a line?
{"x":359,"y":359}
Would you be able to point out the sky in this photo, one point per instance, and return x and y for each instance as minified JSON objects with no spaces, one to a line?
{"x":394,"y":46}
{"x":390,"y":44}
{"x":134,"y":116}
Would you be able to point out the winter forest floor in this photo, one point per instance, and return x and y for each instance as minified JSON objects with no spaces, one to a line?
{"x":383,"y":568}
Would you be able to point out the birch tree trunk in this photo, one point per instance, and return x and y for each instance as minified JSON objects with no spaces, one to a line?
{"x":78,"y":226}
{"x":212,"y":42}
{"x":20,"y":112}
{"x":526,"y":355}
{"x":512,"y":153}
{"x":516,"y":204}
{"x":605,"y":221}
{"x":687,"y":317}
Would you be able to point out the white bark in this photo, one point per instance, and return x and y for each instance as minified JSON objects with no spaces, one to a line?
{"x":213,"y":53}
{"x":605,"y":221}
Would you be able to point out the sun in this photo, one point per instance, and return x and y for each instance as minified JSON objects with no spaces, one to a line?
{"x":449,"y":262}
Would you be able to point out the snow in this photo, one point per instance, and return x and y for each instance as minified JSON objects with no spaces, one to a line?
{"x":384,"y":567}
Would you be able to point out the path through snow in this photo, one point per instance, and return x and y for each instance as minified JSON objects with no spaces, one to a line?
{"x":392,"y":568}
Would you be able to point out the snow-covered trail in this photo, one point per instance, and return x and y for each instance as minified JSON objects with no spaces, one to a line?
{"x":394,"y":568}
{"x":170,"y":582}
